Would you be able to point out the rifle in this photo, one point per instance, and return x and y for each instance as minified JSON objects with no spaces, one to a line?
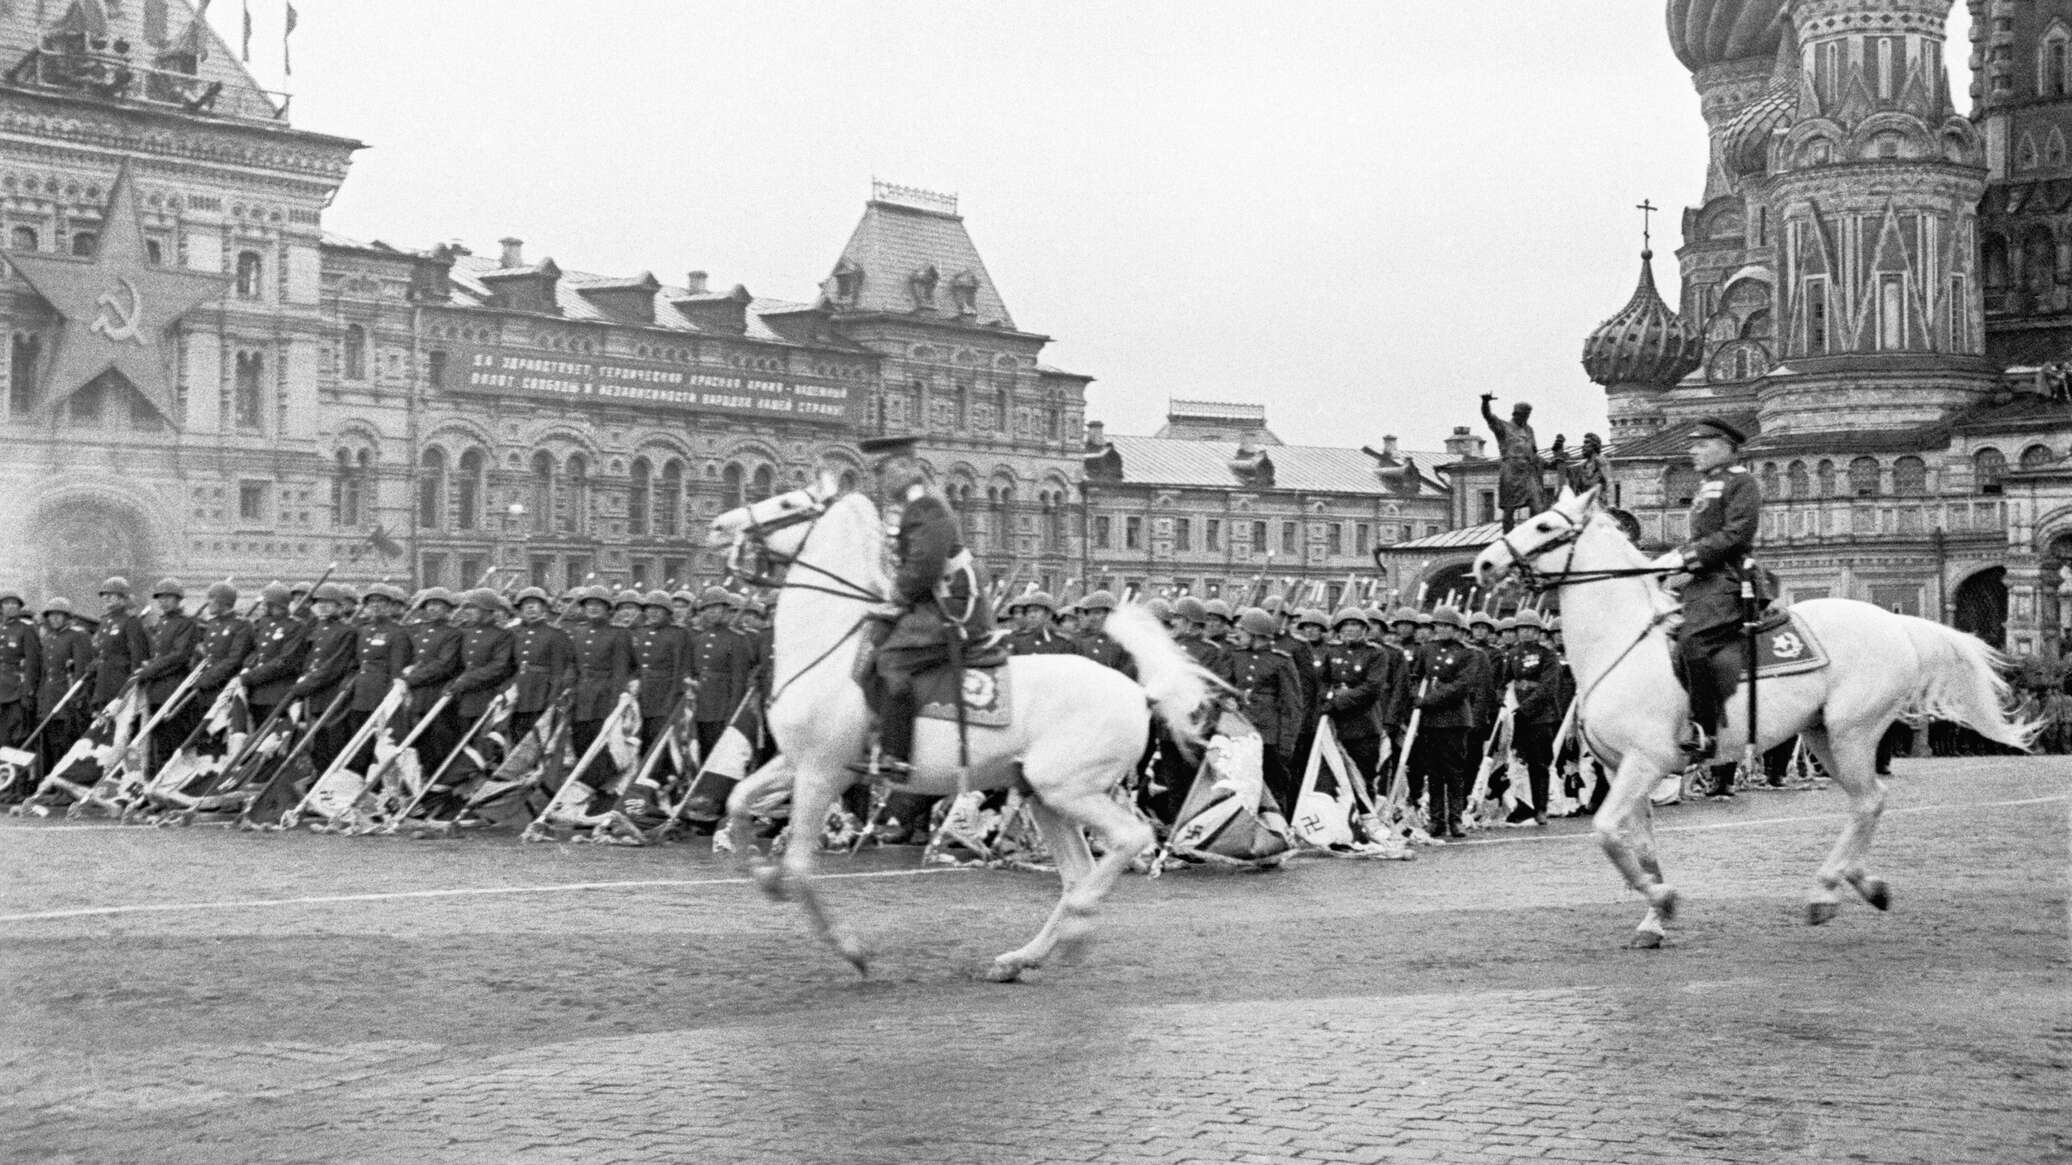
{"x":300,"y":752}
{"x":460,"y":747}
{"x":323,"y":578}
{"x":1400,"y":787}
{"x":360,"y":739}
{"x":381,"y":771}
{"x":533,"y":831}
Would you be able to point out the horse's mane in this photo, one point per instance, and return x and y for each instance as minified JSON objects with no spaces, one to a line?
{"x":863,"y":539}
{"x":1597,"y":518}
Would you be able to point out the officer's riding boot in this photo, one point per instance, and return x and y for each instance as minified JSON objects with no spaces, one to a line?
{"x":1704,"y":693}
{"x":895,"y":734}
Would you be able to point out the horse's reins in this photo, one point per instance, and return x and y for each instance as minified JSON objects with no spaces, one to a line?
{"x":852,"y":590}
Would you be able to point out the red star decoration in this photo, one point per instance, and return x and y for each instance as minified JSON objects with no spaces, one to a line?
{"x":116,"y":307}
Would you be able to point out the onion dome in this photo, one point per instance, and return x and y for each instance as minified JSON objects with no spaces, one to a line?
{"x":1744,"y":144}
{"x":1709,"y":32}
{"x":1645,"y":343}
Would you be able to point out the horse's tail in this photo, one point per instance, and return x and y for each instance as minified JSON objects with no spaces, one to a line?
{"x":1177,"y":685}
{"x":1961,"y":681}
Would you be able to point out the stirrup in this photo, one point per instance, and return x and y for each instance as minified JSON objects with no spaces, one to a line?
{"x":878,"y":764}
{"x":1699,"y":745}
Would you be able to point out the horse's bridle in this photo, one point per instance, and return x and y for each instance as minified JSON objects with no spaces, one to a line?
{"x":1547,"y":580}
{"x":755,"y":540}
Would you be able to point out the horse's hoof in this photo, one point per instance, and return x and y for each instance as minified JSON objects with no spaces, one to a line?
{"x":770,"y":880}
{"x":1818,"y":913}
{"x":1664,"y":900}
{"x":1644,"y":940}
{"x":1876,"y":892}
{"x":859,"y":955}
{"x":1003,"y":971}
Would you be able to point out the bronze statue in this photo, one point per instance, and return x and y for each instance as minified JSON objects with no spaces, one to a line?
{"x":1518,"y":481}
{"x":1590,"y":470}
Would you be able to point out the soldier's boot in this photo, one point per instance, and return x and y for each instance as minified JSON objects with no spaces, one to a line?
{"x":891,"y":758}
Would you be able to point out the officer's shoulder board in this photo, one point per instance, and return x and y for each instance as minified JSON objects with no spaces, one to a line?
{"x":1737,"y":469}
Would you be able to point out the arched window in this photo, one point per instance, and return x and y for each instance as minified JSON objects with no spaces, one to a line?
{"x":1863,"y":477}
{"x":468,"y":490}
{"x":1003,"y":400}
{"x":248,"y":395}
{"x":733,"y":494}
{"x":1679,"y":486}
{"x":577,"y":519}
{"x":1798,"y":483}
{"x":83,"y":243}
{"x":22,"y":238}
{"x":2051,"y":62}
{"x":2025,"y":153}
{"x":964,"y":406}
{"x":542,"y":489}
{"x":764,"y":483}
{"x":1825,"y":474}
{"x":2054,"y":150}
{"x":431,"y":489}
{"x":1988,"y":466}
{"x":355,"y":352}
{"x":1910,"y":477}
{"x":1993,"y":254}
{"x":248,"y":275}
{"x":348,"y":488}
{"x":22,"y":356}
{"x":639,"y":499}
{"x":669,"y":501}
{"x":1769,"y":479}
{"x":2036,"y":457}
{"x":2039,"y":261}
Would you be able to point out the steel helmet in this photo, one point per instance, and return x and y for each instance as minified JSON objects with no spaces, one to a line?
{"x":1507,"y":623}
{"x":60,"y":605}
{"x":483,"y":598}
{"x":1036,"y":599}
{"x":1217,"y":609}
{"x":1482,"y":619}
{"x":1191,"y":609}
{"x":1161,"y":609}
{"x":1257,"y":621}
{"x":222,"y":592}
{"x":598,"y":592}
{"x":1349,"y":615}
{"x":656,"y":599}
{"x":539,"y":593}
{"x":1312,"y":617}
{"x":432,"y":595}
{"x":1274,"y":604}
{"x":1447,"y":616}
{"x":275,"y":593}
{"x":168,"y":586}
{"x":115,"y":585}
{"x":628,"y":598}
{"x":7,"y":593}
{"x":1098,"y":601}
{"x":328,"y":593}
{"x":714,"y":597}
{"x":1403,"y":615}
{"x":1529,"y":618}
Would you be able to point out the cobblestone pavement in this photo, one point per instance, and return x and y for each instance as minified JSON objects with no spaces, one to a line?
{"x":206,"y":996}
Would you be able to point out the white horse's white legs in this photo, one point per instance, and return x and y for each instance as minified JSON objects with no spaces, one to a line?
{"x":1852,"y":760}
{"x":1081,"y":799}
{"x":1620,"y":811}
{"x":791,"y":877}
{"x":1067,"y":842}
{"x":1650,"y":933}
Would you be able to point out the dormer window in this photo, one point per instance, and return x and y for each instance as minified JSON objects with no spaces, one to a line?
{"x":964,"y":293}
{"x":921,"y":285}
{"x":848,"y":281}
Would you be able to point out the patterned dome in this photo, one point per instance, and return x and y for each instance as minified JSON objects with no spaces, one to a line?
{"x":1707,"y":32}
{"x":1645,"y":343}
{"x":1745,"y":143}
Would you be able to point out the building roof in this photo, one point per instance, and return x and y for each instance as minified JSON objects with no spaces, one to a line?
{"x":1465,"y":538}
{"x":1644,"y":342}
{"x":1206,"y":464}
{"x":2025,"y":413}
{"x":468,"y":271}
{"x":896,"y":241}
{"x":1673,"y":438}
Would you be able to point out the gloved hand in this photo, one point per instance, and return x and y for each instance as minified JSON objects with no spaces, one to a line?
{"x":1672,"y":561}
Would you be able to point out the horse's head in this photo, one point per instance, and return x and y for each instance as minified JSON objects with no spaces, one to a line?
{"x":1535,"y":538}
{"x":777,"y":524}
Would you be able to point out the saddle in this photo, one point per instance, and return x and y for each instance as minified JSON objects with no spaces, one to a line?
{"x":982,"y":680}
{"x":1784,"y":646}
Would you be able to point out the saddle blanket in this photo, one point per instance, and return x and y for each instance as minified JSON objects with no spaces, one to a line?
{"x":987,"y":699}
{"x":1786,"y":646}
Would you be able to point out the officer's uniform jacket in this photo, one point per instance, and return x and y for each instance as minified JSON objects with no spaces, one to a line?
{"x":1043,"y":640}
{"x":67,"y":655}
{"x":1305,"y":670}
{"x":21,"y":663}
{"x":1206,"y":652}
{"x":604,"y":665}
{"x":664,"y":655}
{"x":1458,"y":673}
{"x":435,"y":647}
{"x":1356,"y":680}
{"x":384,"y":654}
{"x":1725,"y":515}
{"x":333,"y":649}
{"x":485,"y":662}
{"x":1269,"y":693}
{"x":226,"y":641}
{"x":1097,"y":646}
{"x":1536,"y":676}
{"x":720,"y":663}
{"x":546,"y":660}
{"x":930,"y":553}
{"x":173,"y":643}
{"x":121,"y":645}
{"x":280,"y":646}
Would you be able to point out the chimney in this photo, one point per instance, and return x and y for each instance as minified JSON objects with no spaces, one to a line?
{"x":1463,"y":444}
{"x":1096,"y":434}
{"x":695,"y":283}
{"x":1388,"y":445}
{"x":514,"y":253}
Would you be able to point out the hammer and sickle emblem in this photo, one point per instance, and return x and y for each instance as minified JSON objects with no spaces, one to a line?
{"x":978,"y":690}
{"x":1787,"y":645}
{"x":122,"y":329}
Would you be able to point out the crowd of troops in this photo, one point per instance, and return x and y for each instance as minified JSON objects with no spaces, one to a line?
{"x":1369,"y":672}
{"x":327,"y":656}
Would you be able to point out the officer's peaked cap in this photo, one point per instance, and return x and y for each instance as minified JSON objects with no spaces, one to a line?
{"x":1715,"y":427}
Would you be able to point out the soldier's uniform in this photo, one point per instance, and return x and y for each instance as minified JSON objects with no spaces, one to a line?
{"x":1043,"y":637}
{"x":1098,"y":645}
{"x":21,"y":675}
{"x":1535,"y":670}
{"x":68,"y":659}
{"x":383,"y":652}
{"x":720,"y":659}
{"x":280,"y":646}
{"x":121,"y":645}
{"x":1356,"y":681}
{"x":435,"y":645}
{"x":1269,"y":696}
{"x":936,"y":584}
{"x":327,"y":667}
{"x":1445,"y":750}
{"x":226,"y":641}
{"x":1725,"y":516}
{"x":665,"y":659}
{"x":604,"y":666}
{"x":484,"y":664}
{"x":546,"y":661}
{"x":173,"y":645}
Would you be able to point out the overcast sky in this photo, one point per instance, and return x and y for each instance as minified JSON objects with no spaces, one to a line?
{"x":1360,"y":214}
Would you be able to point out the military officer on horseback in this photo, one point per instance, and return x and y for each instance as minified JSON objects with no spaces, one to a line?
{"x":937,"y":610}
{"x":1724,"y":517}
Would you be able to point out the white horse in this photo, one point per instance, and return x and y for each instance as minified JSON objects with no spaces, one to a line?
{"x":1632,"y":711}
{"x":1077,"y":727}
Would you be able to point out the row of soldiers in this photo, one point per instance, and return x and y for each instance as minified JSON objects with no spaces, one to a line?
{"x":1370,"y":671}
{"x":335,"y":652}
